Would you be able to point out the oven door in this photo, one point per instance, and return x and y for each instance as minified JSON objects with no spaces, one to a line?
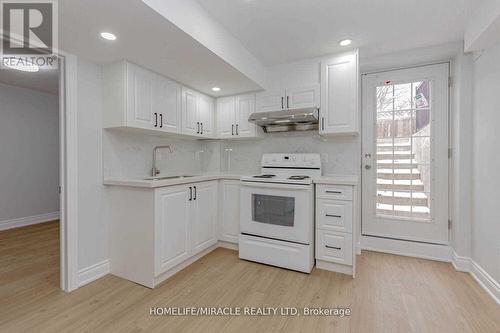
{"x":280,"y":211}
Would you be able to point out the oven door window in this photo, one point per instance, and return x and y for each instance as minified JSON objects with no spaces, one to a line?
{"x":273,"y":209}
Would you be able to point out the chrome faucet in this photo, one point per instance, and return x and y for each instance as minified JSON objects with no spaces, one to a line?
{"x":155,"y":171}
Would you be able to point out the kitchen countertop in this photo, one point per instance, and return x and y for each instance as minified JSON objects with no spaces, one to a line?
{"x":139,"y":182}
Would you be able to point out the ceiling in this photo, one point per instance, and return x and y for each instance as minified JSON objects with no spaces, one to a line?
{"x":280,"y":31}
{"x":145,"y":38}
{"x":46,"y":80}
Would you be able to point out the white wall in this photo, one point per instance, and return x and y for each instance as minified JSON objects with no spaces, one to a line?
{"x":92,"y":228}
{"x":29,"y":146}
{"x":486,"y":162}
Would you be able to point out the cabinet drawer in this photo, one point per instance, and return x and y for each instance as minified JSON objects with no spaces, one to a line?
{"x":339,"y":192}
{"x":334,"y":247}
{"x":334,"y":215}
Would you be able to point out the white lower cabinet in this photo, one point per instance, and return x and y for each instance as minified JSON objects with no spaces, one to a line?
{"x":229,"y":227}
{"x":335,"y":225}
{"x":156,"y":232}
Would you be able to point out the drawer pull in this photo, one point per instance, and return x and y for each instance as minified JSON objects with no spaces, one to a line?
{"x":330,"y":215}
{"x":334,"y":192}
{"x":333,"y":247}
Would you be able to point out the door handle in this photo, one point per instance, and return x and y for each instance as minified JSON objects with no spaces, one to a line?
{"x":232,"y":129}
{"x":161,"y":120}
{"x":156,"y":119}
{"x":282,"y":102}
{"x":190,"y":193}
{"x":333,"y":247}
{"x":194,"y":197}
{"x":201,"y":132}
{"x":287,"y":97}
{"x":367,"y":157}
{"x":237,"y":130}
{"x":197,"y":127}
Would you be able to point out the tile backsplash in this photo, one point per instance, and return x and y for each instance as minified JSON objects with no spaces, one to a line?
{"x":129,"y":154}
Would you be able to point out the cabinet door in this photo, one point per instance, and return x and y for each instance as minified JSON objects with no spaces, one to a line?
{"x":167,"y":103}
{"x":203,"y":229}
{"x":139,"y":98}
{"x":271,"y":100}
{"x":190,"y":121}
{"x":206,"y":115}
{"x":172,"y":215}
{"x":339,"y":94}
{"x":226,"y":110}
{"x":245,"y":106}
{"x":302,"y":97}
{"x":230,"y":207}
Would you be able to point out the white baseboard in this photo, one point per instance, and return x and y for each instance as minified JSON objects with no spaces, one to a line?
{"x":407,"y":248}
{"x":461,"y":264}
{"x":489,"y":284}
{"x":28,"y":220}
{"x":93,"y":272}
{"x":228,"y":245}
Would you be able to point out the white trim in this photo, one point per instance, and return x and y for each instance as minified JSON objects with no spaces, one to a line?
{"x":486,"y":281}
{"x":334,"y":267}
{"x":461,"y":264}
{"x":227,"y":245}
{"x":407,"y":248}
{"x":93,"y":272}
{"x":69,"y":172}
{"x":28,"y":220}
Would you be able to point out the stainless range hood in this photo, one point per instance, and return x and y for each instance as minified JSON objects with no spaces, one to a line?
{"x":288,"y":120}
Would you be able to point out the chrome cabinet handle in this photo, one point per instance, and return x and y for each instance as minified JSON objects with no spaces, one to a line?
{"x":330,"y":215}
{"x":333,"y":247}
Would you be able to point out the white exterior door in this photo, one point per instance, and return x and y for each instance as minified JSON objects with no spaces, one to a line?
{"x":140,"y":98}
{"x":172,"y":227}
{"x":190,"y":122}
{"x":405,"y":152}
{"x":204,"y":232}
{"x":245,"y":106}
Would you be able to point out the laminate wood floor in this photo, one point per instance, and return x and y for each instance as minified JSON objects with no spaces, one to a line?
{"x":390,"y":294}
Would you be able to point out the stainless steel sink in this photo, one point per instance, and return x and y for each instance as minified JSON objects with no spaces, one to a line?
{"x":167,"y":177}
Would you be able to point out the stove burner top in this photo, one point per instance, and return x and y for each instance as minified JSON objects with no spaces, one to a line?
{"x":298,"y":177}
{"x":264,"y":176}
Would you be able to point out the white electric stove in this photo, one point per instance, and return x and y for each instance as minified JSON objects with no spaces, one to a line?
{"x":277,"y":211}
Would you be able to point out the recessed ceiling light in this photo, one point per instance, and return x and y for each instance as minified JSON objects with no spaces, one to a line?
{"x":345,"y":42}
{"x":108,"y":35}
{"x":215,"y":89}
{"x":25,"y":66}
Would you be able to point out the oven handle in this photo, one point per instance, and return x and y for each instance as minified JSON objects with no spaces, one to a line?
{"x":276,"y":185}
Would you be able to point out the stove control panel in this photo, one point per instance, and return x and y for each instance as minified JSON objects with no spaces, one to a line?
{"x":291,"y":160}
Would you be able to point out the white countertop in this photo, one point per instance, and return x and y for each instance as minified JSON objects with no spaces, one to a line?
{"x":139,"y":182}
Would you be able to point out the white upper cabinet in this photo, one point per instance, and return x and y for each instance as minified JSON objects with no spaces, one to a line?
{"x":138,"y":98}
{"x":232,"y":117}
{"x":339,"y":112}
{"x":197,"y":114}
{"x":302,"y":97}
{"x":271,"y":100}
{"x":288,"y":98}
